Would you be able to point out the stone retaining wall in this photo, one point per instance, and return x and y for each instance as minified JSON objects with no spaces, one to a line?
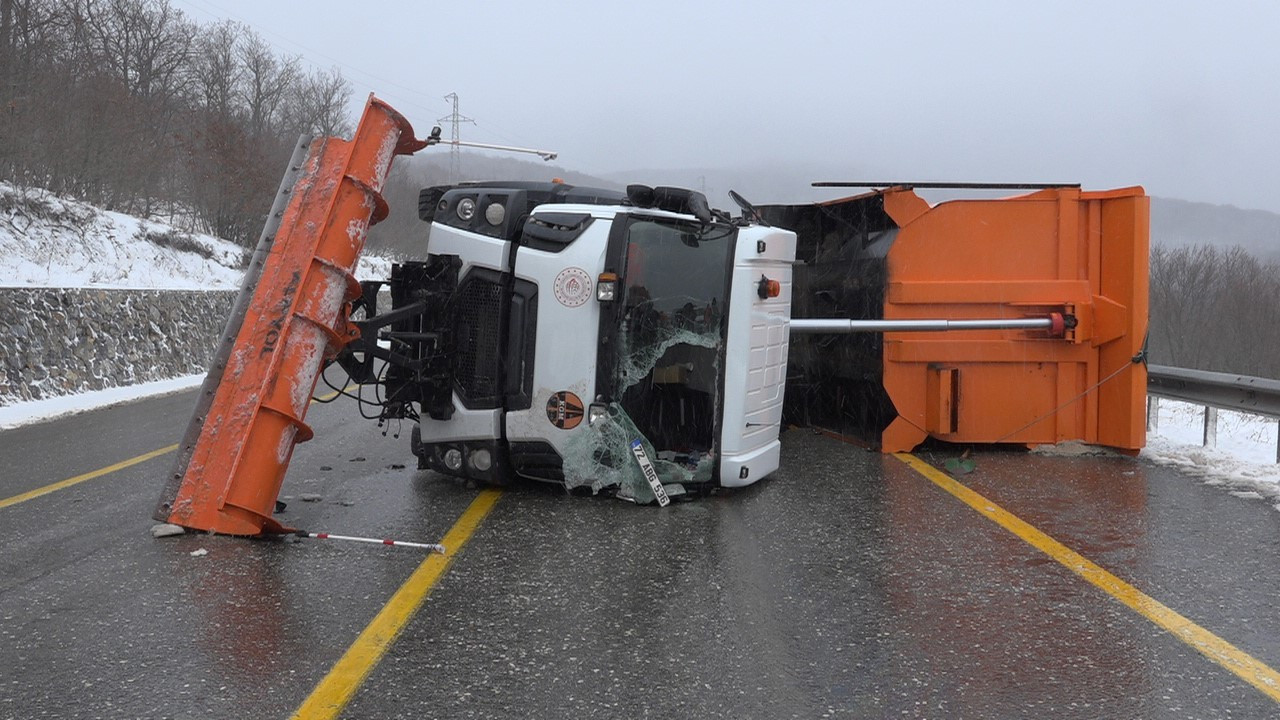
{"x":62,"y":340}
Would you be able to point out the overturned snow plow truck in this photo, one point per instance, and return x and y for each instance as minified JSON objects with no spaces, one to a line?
{"x":642,"y":343}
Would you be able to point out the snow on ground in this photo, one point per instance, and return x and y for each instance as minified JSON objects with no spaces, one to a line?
{"x":1244,"y":461}
{"x":25,"y":413}
{"x":50,"y":241}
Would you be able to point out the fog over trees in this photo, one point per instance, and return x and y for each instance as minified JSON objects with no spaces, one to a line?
{"x":1215,"y":308}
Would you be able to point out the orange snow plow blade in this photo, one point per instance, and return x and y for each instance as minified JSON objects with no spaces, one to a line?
{"x":1083,"y":254}
{"x":292,"y":315}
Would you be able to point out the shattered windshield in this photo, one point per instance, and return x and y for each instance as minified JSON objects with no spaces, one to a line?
{"x":667,"y":355}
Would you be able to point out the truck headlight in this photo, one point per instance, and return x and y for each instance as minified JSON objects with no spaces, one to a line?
{"x":495,"y":213}
{"x":466,"y":209}
{"x":453,"y":459}
{"x":481,"y":459}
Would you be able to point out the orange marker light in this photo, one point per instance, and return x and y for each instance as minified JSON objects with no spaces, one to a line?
{"x":768,"y":288}
{"x":607,"y":287}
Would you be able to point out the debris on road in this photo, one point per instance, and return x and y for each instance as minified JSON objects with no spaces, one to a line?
{"x":199,"y":553}
{"x":166,"y":530}
{"x":962,"y":465}
{"x":1073,"y":448}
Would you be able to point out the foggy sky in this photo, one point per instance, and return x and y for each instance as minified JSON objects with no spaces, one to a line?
{"x":1179,"y":97}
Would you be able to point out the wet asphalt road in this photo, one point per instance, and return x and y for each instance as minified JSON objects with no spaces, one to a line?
{"x":845,"y":585}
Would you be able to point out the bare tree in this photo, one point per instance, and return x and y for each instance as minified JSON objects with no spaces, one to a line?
{"x":143,"y":43}
{"x":266,"y":84}
{"x":1214,"y":309}
{"x":32,"y":38}
{"x":126,"y":104}
{"x":216,"y":71}
{"x":6,"y":33}
{"x":318,"y":104}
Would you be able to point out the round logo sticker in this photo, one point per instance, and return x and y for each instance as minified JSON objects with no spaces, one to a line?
{"x":565,"y":410}
{"x":573,"y":287}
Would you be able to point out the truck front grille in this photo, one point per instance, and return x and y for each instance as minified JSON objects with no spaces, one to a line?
{"x":537,"y":461}
{"x":478,"y":349}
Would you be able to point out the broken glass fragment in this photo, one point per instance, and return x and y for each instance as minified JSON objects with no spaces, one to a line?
{"x":600,"y":458}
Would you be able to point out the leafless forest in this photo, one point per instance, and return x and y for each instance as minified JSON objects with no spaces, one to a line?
{"x":1215,"y":308}
{"x":132,"y":106}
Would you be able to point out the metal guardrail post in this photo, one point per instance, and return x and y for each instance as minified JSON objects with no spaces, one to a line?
{"x":1213,"y":391}
{"x":1210,"y":427}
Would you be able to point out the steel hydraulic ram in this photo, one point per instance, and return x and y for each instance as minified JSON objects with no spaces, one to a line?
{"x":292,"y":315}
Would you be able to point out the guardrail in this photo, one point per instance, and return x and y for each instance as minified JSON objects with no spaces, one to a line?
{"x":1213,"y":391}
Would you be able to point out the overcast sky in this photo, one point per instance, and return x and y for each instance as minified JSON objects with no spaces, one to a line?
{"x":1180,"y":97}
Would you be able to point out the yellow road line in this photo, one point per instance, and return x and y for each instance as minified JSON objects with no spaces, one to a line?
{"x":1245,"y":666}
{"x":327,"y":396}
{"x":333,"y":693}
{"x":63,"y":484}
{"x":53,"y":487}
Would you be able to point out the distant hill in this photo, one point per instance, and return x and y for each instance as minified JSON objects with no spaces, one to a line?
{"x":1174,"y":223}
{"x":1178,"y":223}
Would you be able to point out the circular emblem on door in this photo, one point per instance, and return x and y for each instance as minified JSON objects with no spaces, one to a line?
{"x":573,"y":287}
{"x":565,"y":410}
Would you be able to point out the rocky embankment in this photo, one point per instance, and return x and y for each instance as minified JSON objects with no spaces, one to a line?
{"x":66,"y":340}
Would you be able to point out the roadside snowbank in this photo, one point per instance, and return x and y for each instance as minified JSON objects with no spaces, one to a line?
{"x":25,"y":413}
{"x":1243,"y":462}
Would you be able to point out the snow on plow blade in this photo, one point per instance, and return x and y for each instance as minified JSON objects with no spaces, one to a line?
{"x":890,"y":255}
{"x":292,"y":314}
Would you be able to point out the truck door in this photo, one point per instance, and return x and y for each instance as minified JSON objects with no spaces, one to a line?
{"x":554,"y":321}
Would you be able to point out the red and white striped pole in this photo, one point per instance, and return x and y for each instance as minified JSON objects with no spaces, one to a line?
{"x":376,"y":541}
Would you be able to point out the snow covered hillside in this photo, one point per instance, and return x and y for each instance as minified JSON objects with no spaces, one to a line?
{"x":48,"y":241}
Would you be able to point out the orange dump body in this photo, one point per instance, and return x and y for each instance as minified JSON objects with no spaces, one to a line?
{"x":233,"y":461}
{"x":1080,"y":257}
{"x":1059,"y":250}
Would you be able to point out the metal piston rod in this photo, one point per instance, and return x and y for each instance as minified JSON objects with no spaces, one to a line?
{"x":842,"y":326}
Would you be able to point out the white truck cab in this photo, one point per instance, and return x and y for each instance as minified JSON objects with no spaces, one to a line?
{"x":575,"y":325}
